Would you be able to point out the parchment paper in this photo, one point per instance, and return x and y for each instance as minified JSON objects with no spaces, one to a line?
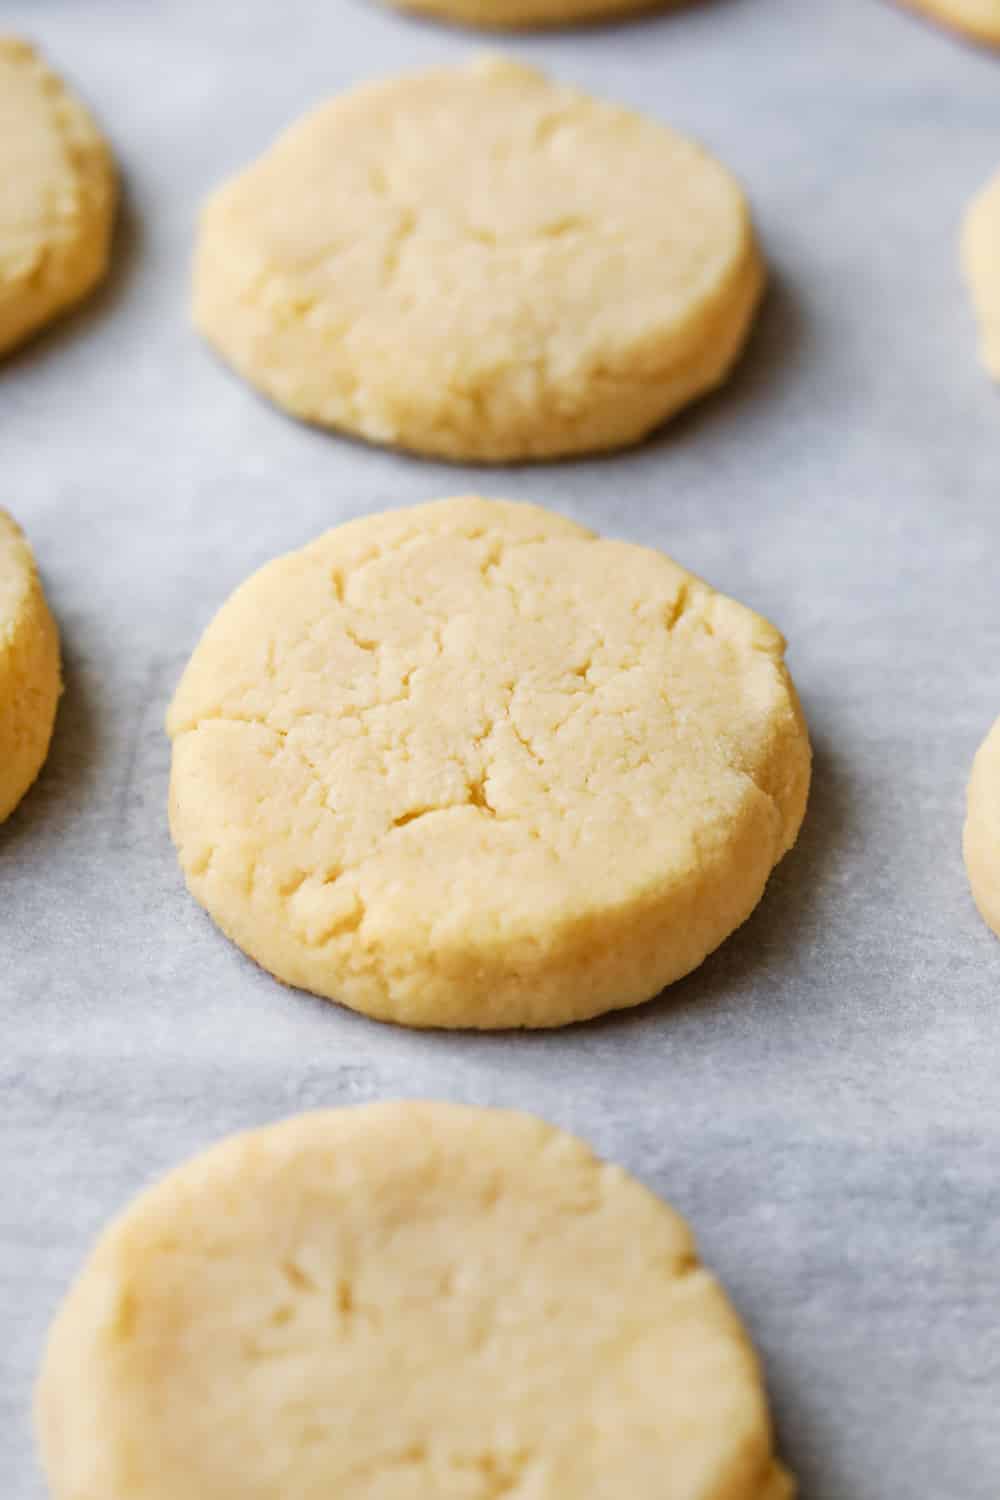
{"x":821,"y":1097}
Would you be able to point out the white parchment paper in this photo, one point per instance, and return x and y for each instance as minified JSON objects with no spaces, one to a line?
{"x":821,"y":1097}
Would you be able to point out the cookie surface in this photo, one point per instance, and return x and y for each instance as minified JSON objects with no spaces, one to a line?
{"x":982,"y":829}
{"x":57,"y":195}
{"x":526,"y":14}
{"x":402,"y":1301}
{"x":979,"y":19}
{"x":29,"y":668}
{"x":981,"y":261}
{"x":468,"y":765}
{"x":470,"y":263}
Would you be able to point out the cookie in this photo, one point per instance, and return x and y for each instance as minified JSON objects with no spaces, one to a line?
{"x":499,"y":15}
{"x":402,"y":1300}
{"x":472,"y":263}
{"x":982,"y":829}
{"x":29,"y":668}
{"x":981,"y":260}
{"x":467,"y":764}
{"x":57,"y":194}
{"x":978,"y":19}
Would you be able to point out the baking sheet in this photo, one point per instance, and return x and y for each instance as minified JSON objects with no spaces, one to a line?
{"x":821,"y":1097}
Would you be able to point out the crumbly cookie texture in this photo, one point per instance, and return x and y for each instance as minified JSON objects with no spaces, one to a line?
{"x":397,"y":1302}
{"x":978,"y":19}
{"x":57,"y":195}
{"x":516,"y":15}
{"x":29,"y":668}
{"x":982,"y":830}
{"x":981,"y":260}
{"x":467,"y":764}
{"x":479,"y":264}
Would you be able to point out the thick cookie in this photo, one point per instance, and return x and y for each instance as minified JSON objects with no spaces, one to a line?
{"x":469,"y":765}
{"x":981,"y":260}
{"x":402,"y":1301}
{"x":29,"y":668}
{"x":516,"y":15}
{"x":479,"y":264}
{"x":982,"y":829}
{"x":978,"y":19}
{"x":57,"y":194}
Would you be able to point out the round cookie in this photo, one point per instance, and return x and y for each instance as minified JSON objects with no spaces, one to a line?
{"x":981,"y":260}
{"x":467,"y":764}
{"x":402,"y":1301}
{"x":478,"y":264}
{"x":57,"y":194}
{"x":29,"y":668}
{"x":982,"y":829}
{"x":516,"y":15}
{"x":978,"y":19}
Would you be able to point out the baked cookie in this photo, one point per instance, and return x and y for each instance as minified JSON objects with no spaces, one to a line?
{"x":479,"y":264}
{"x":57,"y":194}
{"x":402,"y":1300}
{"x":469,"y":765}
{"x":516,"y":15}
{"x":979,"y":19}
{"x":981,"y":259}
{"x":29,"y":668}
{"x":982,"y":829}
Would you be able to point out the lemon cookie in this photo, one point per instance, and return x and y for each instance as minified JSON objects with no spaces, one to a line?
{"x":982,"y":829}
{"x":402,"y":1300}
{"x":526,"y":14}
{"x":29,"y":668}
{"x":469,"y":765}
{"x":979,"y":19}
{"x":56,"y":195}
{"x":981,"y":259}
{"x":479,"y":264}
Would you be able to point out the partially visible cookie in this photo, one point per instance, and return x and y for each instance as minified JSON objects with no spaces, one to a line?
{"x":978,"y":19}
{"x":467,"y":764}
{"x":981,"y":259}
{"x":479,"y":264}
{"x":515,"y":15}
{"x":982,"y":829}
{"x":57,"y":195}
{"x":399,"y":1302}
{"x":29,"y":668}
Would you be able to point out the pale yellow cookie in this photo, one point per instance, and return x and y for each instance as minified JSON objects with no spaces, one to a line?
{"x":29,"y":668}
{"x":982,"y":829}
{"x":402,"y":1302}
{"x":981,"y":259}
{"x":979,"y":19}
{"x":469,"y":765}
{"x":479,"y":264}
{"x":515,"y":15}
{"x":57,"y":193}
